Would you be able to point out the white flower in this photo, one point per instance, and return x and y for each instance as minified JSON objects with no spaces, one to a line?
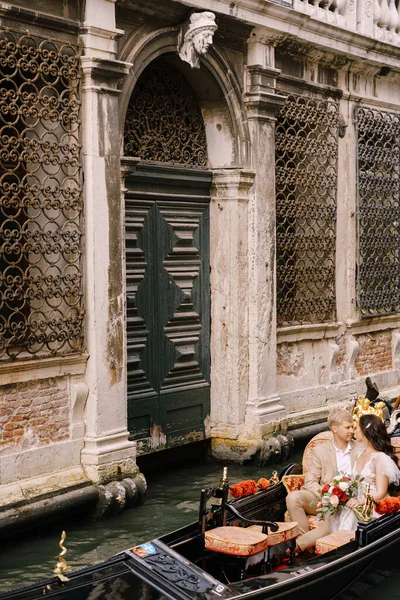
{"x":331,"y":489}
{"x":334,"y":500}
{"x":325,"y":500}
{"x":344,"y":486}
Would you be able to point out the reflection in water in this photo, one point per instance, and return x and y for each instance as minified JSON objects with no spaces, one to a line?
{"x":172,"y":501}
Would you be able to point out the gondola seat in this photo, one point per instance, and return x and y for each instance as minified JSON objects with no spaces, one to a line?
{"x":287,"y":531}
{"x":236,"y":541}
{"x":395,"y":441}
{"x":248,"y":541}
{"x":333,"y":540}
{"x":295,"y":482}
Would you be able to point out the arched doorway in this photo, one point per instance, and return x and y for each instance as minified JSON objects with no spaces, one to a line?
{"x":167,"y":262}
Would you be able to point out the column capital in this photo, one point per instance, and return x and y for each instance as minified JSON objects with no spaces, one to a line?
{"x":99,"y":41}
{"x":128,"y":165}
{"x":104,"y":75}
{"x":232,"y":184}
{"x":261,"y":46}
{"x":263,"y":105}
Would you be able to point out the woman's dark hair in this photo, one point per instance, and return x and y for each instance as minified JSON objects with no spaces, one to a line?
{"x":375,"y":432}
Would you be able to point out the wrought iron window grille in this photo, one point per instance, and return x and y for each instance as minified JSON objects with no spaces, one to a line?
{"x":306,"y":189}
{"x":164,"y":121}
{"x":41,"y":299}
{"x":378,"y":177}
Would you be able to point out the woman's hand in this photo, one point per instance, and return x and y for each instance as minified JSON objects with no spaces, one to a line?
{"x":355,"y":502}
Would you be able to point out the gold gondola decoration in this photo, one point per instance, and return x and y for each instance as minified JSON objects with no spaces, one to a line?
{"x":364,"y":514}
{"x":363,"y":407}
{"x":62,"y":566}
{"x":274,"y":479}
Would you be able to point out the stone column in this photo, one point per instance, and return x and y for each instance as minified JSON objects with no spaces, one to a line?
{"x":229,"y":309}
{"x":264,"y":412}
{"x":107,"y":452}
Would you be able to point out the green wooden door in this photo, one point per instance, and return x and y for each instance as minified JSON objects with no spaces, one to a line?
{"x":168,"y":305}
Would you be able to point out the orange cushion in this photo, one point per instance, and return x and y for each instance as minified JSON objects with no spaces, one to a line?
{"x":287,"y":531}
{"x":239,"y":541}
{"x":333,"y":540}
{"x":293,"y":483}
{"x":396,"y":445}
{"x":320,"y":438}
{"x":313,"y":520}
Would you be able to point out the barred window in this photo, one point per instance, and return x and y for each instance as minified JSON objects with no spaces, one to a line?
{"x":40,"y":197}
{"x":306,"y":185}
{"x":378,"y":157}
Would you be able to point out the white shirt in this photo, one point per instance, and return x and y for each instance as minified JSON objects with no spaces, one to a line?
{"x":343,"y":460}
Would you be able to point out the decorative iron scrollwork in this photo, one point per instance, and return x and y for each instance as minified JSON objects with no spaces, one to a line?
{"x":40,"y":196}
{"x":164,"y":122}
{"x":378,"y":156}
{"x":306,"y":185}
{"x":178,"y":573}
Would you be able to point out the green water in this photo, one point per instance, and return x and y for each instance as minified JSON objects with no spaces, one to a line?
{"x":172,"y":501}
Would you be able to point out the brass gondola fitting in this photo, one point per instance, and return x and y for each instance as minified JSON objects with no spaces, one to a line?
{"x":274,"y":478}
{"x":224,"y":478}
{"x":62,"y":566}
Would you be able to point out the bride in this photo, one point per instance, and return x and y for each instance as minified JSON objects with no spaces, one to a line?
{"x":377,"y":465}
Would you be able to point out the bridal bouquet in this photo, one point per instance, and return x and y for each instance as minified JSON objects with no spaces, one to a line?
{"x":334,"y":495}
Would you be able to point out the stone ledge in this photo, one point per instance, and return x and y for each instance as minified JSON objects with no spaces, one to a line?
{"x":372,"y":324}
{"x":298,"y":333}
{"x":94,"y":501}
{"x":21,"y":370}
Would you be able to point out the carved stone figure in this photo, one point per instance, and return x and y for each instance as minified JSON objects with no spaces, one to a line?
{"x":196,"y":37}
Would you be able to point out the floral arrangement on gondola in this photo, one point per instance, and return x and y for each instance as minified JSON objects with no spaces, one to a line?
{"x":388,"y":506}
{"x":248,"y":487}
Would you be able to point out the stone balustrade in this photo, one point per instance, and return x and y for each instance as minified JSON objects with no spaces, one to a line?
{"x":379,"y":19}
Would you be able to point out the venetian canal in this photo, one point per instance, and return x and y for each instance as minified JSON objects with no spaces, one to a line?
{"x":172,"y":501}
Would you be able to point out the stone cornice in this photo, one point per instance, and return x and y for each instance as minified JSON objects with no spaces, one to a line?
{"x":33,"y":17}
{"x":283,"y":20}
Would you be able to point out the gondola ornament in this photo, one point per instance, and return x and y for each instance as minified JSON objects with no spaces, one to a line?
{"x":62,"y":567}
{"x":274,"y":479}
{"x":364,"y":514}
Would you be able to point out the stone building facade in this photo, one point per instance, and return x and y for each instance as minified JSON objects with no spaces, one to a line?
{"x":191,"y":253}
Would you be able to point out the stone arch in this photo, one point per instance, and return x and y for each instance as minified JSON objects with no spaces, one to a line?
{"x":216,"y":86}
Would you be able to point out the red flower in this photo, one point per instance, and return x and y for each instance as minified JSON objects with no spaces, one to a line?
{"x":387,"y":506}
{"x":235,"y":490}
{"x":325,"y":488}
{"x":346,"y":479}
{"x":344,"y":497}
{"x":337,"y":492}
{"x":263,"y":483}
{"x":251,"y":487}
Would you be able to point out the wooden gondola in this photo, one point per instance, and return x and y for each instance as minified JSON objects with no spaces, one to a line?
{"x":178,"y":566}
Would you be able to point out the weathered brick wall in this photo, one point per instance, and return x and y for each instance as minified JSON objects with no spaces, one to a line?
{"x":290,"y":360}
{"x":375,"y":353}
{"x":34,"y":414}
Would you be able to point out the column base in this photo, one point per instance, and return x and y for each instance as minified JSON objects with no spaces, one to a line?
{"x":265,"y":416}
{"x":109,"y":457}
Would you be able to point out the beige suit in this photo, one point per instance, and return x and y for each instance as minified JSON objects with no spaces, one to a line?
{"x":322,"y":470}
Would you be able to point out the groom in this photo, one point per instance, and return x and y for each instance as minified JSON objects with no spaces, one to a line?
{"x":327,"y":459}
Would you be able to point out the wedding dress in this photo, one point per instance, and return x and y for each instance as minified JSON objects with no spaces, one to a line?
{"x":379,"y":461}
